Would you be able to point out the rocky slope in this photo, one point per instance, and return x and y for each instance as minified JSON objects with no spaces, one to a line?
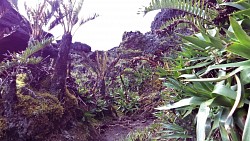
{"x":38,"y":114}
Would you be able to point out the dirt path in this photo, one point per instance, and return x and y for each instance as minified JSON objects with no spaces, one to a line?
{"x":118,"y":130}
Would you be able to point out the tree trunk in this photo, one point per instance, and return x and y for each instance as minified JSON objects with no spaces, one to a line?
{"x":58,"y":83}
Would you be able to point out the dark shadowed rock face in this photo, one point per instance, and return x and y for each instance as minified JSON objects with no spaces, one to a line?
{"x":78,"y":46}
{"x":14,"y":30}
{"x":161,"y":18}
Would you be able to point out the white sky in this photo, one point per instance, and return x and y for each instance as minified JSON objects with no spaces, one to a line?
{"x":116,"y":16}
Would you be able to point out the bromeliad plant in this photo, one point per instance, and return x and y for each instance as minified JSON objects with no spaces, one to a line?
{"x":214,"y":79}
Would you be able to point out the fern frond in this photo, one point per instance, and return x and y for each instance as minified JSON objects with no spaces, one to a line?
{"x":77,"y":7}
{"x":34,"y":47}
{"x":197,"y":8}
{"x":83,"y":21}
{"x":182,"y":22}
{"x":24,"y":58}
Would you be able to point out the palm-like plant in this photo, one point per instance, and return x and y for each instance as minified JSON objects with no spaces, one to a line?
{"x":67,"y":15}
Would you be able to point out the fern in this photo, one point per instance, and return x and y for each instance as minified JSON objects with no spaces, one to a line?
{"x":66,"y":14}
{"x":24,"y":58}
{"x":196,"y":13}
{"x":197,"y":8}
{"x":181,"y":22}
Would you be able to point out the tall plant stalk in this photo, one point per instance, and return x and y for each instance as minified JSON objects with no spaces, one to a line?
{"x":67,"y":15}
{"x":60,"y":73}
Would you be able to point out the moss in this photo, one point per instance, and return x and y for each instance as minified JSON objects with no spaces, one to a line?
{"x":3,"y":126}
{"x":35,"y":117}
{"x":44,"y":103}
{"x":45,"y":83}
{"x":21,"y":80}
{"x":70,"y":100}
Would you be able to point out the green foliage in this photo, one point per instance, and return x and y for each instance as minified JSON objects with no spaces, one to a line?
{"x":24,"y":58}
{"x":195,"y":13}
{"x":212,"y":80}
{"x":197,"y":8}
{"x":141,"y":134}
{"x":66,"y":13}
{"x":126,"y":102}
{"x":39,"y":17}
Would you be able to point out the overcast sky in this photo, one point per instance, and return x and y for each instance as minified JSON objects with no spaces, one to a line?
{"x":116,"y":16}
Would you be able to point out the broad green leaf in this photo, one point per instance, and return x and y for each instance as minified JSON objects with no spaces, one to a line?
{"x":219,"y":78}
{"x":196,"y":41}
{"x":215,"y":124}
{"x":222,"y":101}
{"x":229,"y":120}
{"x":232,"y":132}
{"x":193,"y":46}
{"x":202,"y":37}
{"x":224,"y":91}
{"x":242,"y":5}
{"x":182,"y":103}
{"x":239,"y":49}
{"x":245,"y":76}
{"x":233,"y":65}
{"x":246,"y":131}
{"x":202,"y":116}
{"x":239,"y":32}
{"x":216,"y":42}
{"x":239,"y":118}
{"x":199,"y":65}
{"x":242,"y":12}
{"x":244,"y":64}
{"x":223,"y":133}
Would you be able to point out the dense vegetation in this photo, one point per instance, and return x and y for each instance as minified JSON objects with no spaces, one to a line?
{"x":196,"y":90}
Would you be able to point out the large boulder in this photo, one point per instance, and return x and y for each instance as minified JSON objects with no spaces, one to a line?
{"x":14,"y":30}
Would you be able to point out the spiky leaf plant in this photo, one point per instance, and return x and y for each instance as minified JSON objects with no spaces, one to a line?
{"x":213,"y":81}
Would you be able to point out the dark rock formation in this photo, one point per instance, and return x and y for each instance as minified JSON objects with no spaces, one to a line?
{"x":78,"y":46}
{"x":14,"y":30}
{"x":148,"y":43}
{"x":155,"y":41}
{"x":163,"y":16}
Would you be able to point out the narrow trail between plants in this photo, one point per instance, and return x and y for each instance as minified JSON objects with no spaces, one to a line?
{"x":118,"y":130}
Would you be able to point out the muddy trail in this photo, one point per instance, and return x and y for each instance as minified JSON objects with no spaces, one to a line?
{"x":119,"y":129}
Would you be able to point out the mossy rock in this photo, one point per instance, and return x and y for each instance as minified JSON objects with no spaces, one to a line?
{"x":43,"y":104}
{"x":70,"y":100}
{"x":35,"y":117}
{"x":71,"y":111}
{"x":3,"y":126}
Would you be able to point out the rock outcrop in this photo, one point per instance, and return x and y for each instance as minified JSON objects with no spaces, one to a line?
{"x":14,"y":30}
{"x":78,"y":46}
{"x":148,"y":43}
{"x":156,"y":41}
{"x":163,"y":16}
